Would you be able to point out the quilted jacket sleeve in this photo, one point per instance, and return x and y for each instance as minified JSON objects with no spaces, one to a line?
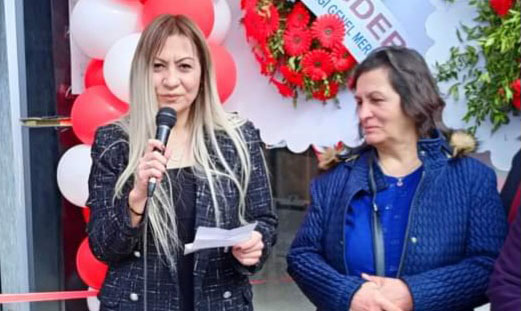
{"x":259,"y":203}
{"x":111,"y":237}
{"x":322,"y":284}
{"x":463,"y":285}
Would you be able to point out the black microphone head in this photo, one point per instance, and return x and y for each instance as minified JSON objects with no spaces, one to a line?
{"x":166,"y":116}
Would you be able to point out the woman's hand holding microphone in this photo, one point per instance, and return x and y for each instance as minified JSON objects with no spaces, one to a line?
{"x":152,"y":164}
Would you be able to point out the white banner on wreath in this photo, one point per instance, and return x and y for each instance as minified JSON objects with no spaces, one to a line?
{"x":368,"y":23}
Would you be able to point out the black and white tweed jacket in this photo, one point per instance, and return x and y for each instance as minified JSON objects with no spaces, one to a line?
{"x":220,"y":281}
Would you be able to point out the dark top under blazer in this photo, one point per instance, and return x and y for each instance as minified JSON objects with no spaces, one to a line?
{"x":220,"y":281}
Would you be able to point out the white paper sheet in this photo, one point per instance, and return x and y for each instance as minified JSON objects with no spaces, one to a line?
{"x":206,"y":237}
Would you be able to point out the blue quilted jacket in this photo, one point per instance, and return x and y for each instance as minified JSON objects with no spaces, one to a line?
{"x":455,"y":230}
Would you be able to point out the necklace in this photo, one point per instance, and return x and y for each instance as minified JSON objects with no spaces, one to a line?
{"x":410,"y":168}
{"x":176,"y":159}
{"x":179,"y":150}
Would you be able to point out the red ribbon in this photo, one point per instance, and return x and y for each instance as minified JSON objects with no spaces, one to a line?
{"x":47,"y":296}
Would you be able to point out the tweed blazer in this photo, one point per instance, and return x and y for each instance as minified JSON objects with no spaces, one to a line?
{"x":220,"y":281}
{"x":455,"y":229}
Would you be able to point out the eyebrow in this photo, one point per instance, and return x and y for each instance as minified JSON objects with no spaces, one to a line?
{"x":372,"y":93}
{"x":376,"y":93}
{"x":177,"y":61}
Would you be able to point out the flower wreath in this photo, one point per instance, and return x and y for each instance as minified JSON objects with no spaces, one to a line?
{"x":297,"y":50}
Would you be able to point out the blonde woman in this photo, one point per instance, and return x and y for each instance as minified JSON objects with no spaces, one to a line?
{"x":212,"y":174}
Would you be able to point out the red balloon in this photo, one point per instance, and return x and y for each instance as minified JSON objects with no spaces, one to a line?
{"x":94,"y":73}
{"x":95,"y":107}
{"x":91,"y":270}
{"x":225,"y":70}
{"x":85,"y":212}
{"x":200,"y":11}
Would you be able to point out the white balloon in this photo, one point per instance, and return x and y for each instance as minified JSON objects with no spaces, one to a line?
{"x":73,"y":174}
{"x":93,"y":302}
{"x":97,"y":24}
{"x":222,"y":21}
{"x":117,"y":64}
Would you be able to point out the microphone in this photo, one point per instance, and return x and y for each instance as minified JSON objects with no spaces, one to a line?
{"x":165,"y":120}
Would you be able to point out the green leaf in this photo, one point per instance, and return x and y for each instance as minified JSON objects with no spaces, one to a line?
{"x":291,"y":62}
{"x":484,"y":77}
{"x":489,"y":42}
{"x":454,"y":91}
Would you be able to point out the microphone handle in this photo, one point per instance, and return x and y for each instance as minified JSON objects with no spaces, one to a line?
{"x":162,"y":134}
{"x":151,"y":187}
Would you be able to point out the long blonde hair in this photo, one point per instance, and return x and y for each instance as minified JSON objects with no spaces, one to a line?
{"x":206,"y":117}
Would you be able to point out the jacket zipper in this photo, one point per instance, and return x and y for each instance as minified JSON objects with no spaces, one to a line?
{"x":378,"y":243}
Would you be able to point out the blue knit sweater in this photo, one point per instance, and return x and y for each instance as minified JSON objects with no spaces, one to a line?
{"x":455,"y":230}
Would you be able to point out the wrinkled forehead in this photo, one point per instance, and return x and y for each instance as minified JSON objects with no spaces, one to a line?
{"x":176,"y":47}
{"x":376,"y":79}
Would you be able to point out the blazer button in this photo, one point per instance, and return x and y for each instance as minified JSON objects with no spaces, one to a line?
{"x":137,"y":254}
{"x":227,"y":294}
{"x":414,"y":240}
{"x":134,"y":297}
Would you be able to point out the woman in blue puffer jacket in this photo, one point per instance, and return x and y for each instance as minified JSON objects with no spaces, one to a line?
{"x":406,"y":221}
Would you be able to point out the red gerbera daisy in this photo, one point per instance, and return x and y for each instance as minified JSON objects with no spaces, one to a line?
{"x":342,"y":58}
{"x":297,"y":41}
{"x":271,"y":18}
{"x":248,"y":4}
{"x":317,"y":64}
{"x":327,"y":91}
{"x":255,"y":26}
{"x":265,"y":59}
{"x":291,"y":75}
{"x":328,"y":29}
{"x":501,"y":7}
{"x":284,"y":89}
{"x":299,"y":16}
{"x":516,"y":102}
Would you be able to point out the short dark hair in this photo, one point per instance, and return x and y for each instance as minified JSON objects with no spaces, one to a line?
{"x":410,"y":77}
